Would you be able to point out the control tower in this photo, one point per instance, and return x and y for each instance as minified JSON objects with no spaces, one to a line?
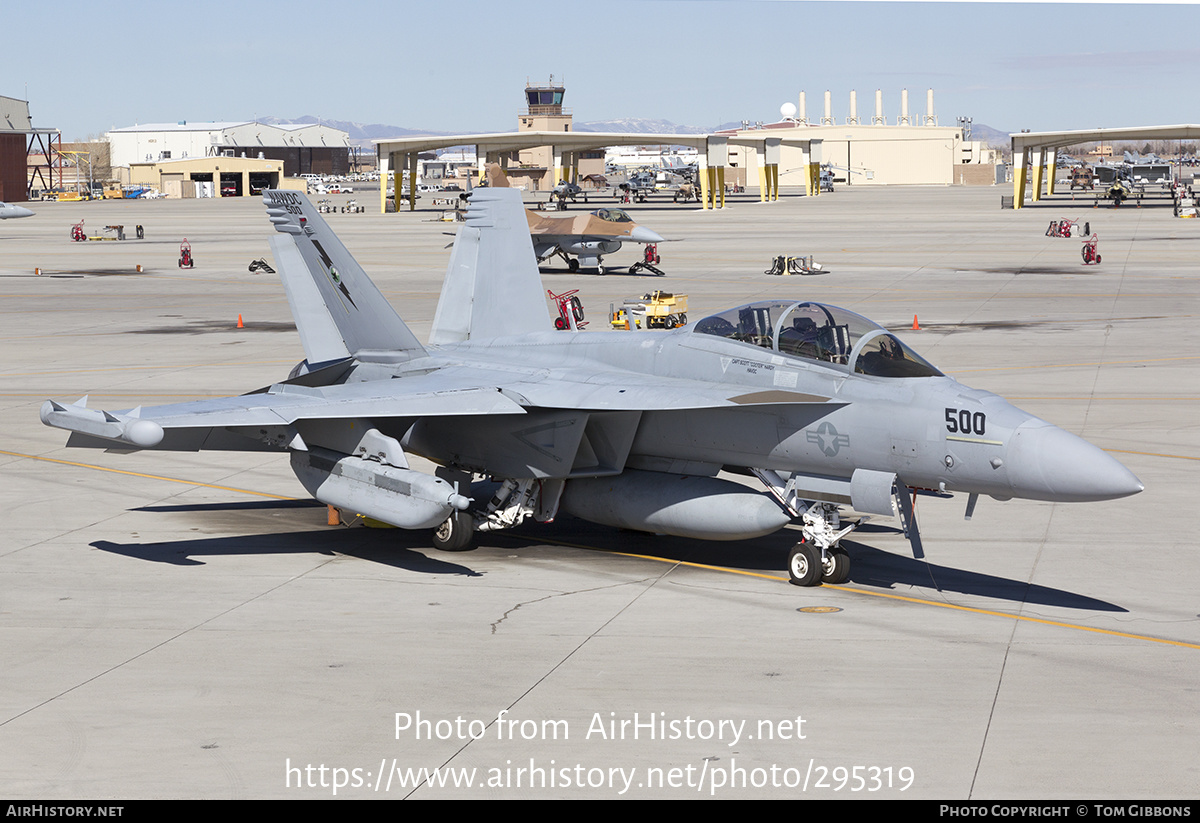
{"x":545,"y":112}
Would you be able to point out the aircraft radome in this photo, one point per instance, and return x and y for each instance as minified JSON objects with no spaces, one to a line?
{"x":825,"y":407}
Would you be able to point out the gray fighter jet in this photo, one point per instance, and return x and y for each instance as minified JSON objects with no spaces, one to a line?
{"x":9,"y":211}
{"x":826,"y":408}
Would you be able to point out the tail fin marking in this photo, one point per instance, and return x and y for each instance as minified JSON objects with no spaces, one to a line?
{"x":337,"y":308}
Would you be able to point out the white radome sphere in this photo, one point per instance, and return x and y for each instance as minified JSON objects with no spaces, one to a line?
{"x":787,"y":111}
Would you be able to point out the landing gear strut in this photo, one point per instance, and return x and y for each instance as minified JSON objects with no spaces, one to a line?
{"x":818,"y":557}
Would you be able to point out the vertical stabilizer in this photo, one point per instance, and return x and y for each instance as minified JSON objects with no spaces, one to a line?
{"x":337,"y":308}
{"x":492,"y":286}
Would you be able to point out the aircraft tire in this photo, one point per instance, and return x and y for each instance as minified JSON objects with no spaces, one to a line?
{"x":804,"y":565}
{"x":456,"y":534}
{"x":573,"y":265}
{"x":836,"y":568}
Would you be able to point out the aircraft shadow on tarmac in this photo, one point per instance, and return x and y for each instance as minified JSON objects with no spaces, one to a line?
{"x":871,"y":567}
{"x":206,"y":326}
{"x":409,"y":550}
{"x":389,"y":547}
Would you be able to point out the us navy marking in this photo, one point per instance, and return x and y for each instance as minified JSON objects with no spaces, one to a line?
{"x":827,"y":439}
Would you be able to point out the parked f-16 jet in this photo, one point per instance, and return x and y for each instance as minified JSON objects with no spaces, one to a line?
{"x":826,"y":408}
{"x":586,"y":236}
{"x":9,"y":211}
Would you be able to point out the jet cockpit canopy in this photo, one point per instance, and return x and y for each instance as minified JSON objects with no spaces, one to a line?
{"x":815,"y":331}
{"x":613,"y":215}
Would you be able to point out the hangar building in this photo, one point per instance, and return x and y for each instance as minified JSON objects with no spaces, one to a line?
{"x":304,"y":148}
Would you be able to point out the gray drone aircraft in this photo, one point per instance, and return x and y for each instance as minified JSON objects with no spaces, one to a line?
{"x":824,"y":407}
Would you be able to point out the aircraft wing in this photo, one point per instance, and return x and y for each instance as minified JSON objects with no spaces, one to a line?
{"x":207,"y":423}
{"x":451,"y":391}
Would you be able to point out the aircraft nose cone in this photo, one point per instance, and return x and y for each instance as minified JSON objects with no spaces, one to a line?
{"x":641,"y":234}
{"x":1047,"y":463}
{"x":21,"y":211}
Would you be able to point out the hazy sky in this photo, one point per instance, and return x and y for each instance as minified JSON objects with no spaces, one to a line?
{"x":461,"y":66}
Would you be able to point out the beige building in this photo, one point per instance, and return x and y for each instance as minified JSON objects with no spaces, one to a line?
{"x":871,"y":154}
{"x":224,"y":176}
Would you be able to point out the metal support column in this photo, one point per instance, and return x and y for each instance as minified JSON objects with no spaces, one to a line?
{"x":385,"y":163}
{"x":1020,"y":164}
{"x":412,"y":181}
{"x":718,"y":159}
{"x":814,"y":166}
{"x":1037,"y":174}
{"x":771,"y":157}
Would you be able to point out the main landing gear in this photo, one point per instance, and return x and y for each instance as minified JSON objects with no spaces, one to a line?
{"x":455,"y":534}
{"x":513,"y":503}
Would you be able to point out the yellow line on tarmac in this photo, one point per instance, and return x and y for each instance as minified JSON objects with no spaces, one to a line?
{"x":1153,"y":454}
{"x":149,"y":476}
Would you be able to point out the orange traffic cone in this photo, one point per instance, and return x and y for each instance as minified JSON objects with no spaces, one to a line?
{"x":240,"y":325}
{"x":916,"y":325}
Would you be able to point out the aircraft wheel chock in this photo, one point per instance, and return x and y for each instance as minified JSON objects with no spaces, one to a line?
{"x":836,"y":567}
{"x":455,"y":534}
{"x":804,"y":565}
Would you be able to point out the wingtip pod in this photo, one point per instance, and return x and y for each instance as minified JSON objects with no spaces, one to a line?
{"x":128,"y":428}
